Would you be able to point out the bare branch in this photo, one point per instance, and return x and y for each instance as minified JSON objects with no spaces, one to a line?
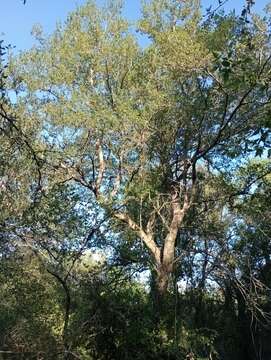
{"x":146,"y":237}
{"x":101,"y":167}
{"x":177,"y":218}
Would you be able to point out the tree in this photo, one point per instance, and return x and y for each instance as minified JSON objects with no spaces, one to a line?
{"x":145,"y":132}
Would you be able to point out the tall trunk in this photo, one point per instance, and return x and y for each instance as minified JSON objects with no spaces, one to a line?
{"x":65,"y":330}
{"x":162,"y":279}
{"x":167,"y":255}
{"x":159,"y":291}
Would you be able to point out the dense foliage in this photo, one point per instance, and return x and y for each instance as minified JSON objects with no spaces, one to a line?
{"x":135,"y":183}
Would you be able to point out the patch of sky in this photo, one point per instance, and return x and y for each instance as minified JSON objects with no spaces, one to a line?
{"x":17,"y":19}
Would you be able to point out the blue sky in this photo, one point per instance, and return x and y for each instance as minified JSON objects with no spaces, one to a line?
{"x":17,"y":19}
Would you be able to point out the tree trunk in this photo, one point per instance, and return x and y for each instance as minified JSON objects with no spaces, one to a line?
{"x":161,"y":277}
{"x":162,"y":280}
{"x":65,"y":330}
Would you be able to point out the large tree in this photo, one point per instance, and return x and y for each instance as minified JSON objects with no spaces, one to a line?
{"x":147,"y":130}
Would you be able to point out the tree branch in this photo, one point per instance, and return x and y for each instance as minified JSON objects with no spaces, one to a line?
{"x":147,"y":238}
{"x":101,"y":167}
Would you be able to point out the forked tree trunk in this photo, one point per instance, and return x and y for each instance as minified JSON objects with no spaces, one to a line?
{"x":163,"y":256}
